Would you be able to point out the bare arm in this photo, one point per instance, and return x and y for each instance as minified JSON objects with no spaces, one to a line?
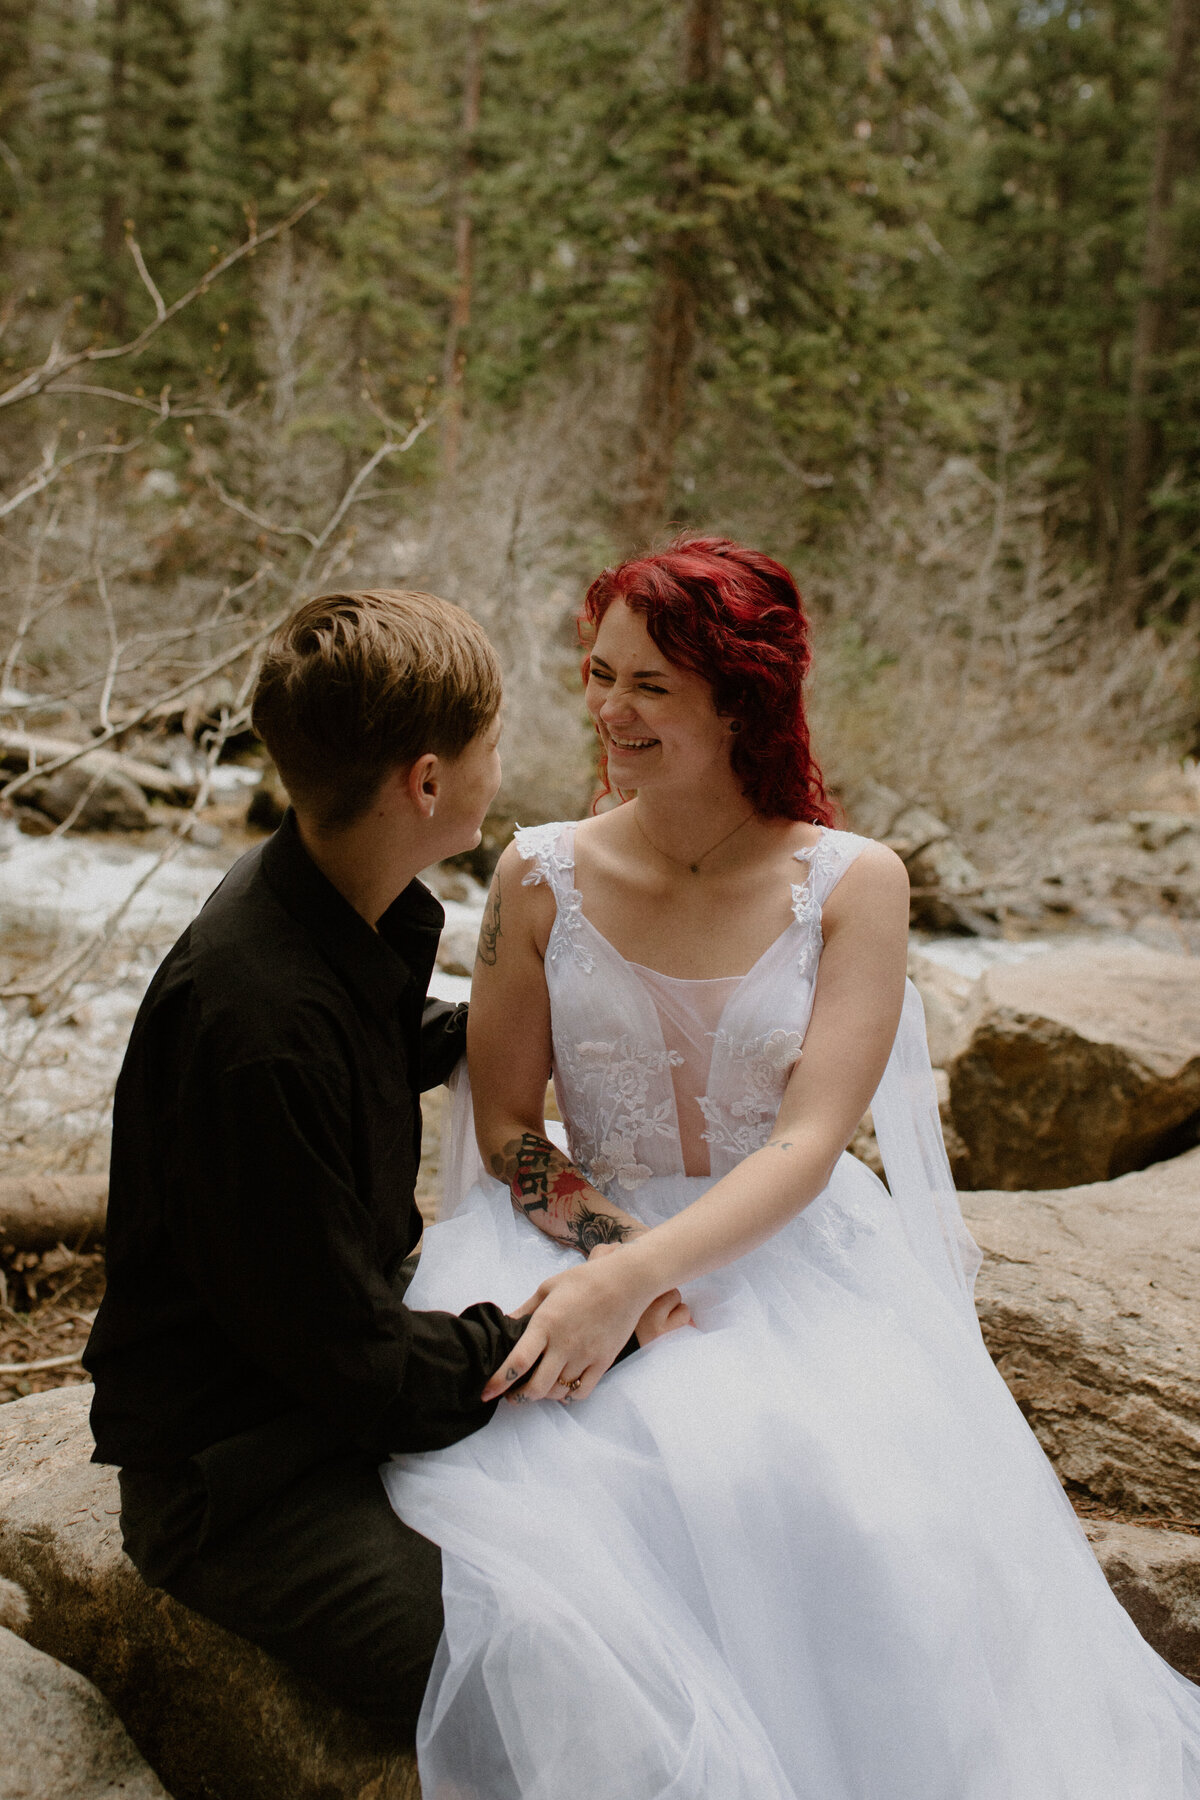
{"x":579,"y":1316}
{"x":509,"y":1049}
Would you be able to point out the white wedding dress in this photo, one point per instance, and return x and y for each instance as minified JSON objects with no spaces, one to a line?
{"x":807,"y":1551}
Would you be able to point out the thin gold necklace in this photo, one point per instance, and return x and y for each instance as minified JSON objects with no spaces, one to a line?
{"x":693,"y":868}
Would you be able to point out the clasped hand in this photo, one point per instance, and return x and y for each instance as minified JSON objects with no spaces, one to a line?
{"x":579,"y":1321}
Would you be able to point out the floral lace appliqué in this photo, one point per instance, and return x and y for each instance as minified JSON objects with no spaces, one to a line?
{"x":833,"y":848}
{"x":616,"y":1078}
{"x":761,"y":1066}
{"x":806,"y":902}
{"x":539,"y":844}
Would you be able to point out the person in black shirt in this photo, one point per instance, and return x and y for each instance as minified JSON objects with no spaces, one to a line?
{"x":253,"y":1358}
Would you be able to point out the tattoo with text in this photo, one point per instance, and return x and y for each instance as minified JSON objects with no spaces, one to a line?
{"x":541,"y":1180}
{"x":489,"y":931}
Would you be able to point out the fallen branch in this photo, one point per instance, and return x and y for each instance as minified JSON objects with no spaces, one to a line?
{"x":32,"y":751}
{"x":39,"y":1211}
{"x":46,"y":1362}
{"x":127,"y":723}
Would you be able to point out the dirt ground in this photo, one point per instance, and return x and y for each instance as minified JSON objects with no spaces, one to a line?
{"x":47,"y":1304}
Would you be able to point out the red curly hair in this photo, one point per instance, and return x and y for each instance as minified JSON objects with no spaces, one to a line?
{"x":735,"y":617}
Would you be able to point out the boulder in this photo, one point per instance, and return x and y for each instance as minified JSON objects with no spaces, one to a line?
{"x":92,"y":799}
{"x":62,"y":1740}
{"x":1156,"y":1577}
{"x":1082,"y":1065}
{"x":948,"y":892}
{"x":217,"y":1718}
{"x":456,"y":946}
{"x":268,"y":802}
{"x":950,"y":1000}
{"x":1088,"y":1298}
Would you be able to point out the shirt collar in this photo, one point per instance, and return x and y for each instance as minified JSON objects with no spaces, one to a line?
{"x":377,"y":965}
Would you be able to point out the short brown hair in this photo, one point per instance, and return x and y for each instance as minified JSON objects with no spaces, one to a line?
{"x":353,"y":685}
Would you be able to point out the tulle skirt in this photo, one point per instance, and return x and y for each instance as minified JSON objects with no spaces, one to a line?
{"x":807,"y":1550}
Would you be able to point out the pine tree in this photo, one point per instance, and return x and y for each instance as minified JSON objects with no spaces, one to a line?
{"x":1054,"y":225}
{"x":716,"y":185}
{"x":1175,"y":144}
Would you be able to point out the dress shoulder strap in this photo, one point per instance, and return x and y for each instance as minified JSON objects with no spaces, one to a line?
{"x":550,"y":850}
{"x":828,"y":859}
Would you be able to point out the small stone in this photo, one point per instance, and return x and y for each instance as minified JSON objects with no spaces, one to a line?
{"x":32,"y":823}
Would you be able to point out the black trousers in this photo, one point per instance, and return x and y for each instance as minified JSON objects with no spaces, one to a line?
{"x":292,"y":1543}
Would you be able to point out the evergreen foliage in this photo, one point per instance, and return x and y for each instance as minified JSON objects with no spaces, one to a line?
{"x":1053,"y":249}
{"x":851,"y":222}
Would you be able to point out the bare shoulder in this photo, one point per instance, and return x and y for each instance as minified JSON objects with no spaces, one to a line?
{"x":874,"y":889}
{"x":600,"y":833}
{"x":520,"y":900}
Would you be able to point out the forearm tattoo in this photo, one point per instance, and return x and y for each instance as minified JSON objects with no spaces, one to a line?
{"x":489,"y":931}
{"x":554,"y":1196}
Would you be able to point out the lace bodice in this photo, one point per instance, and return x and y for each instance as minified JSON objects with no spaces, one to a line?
{"x":617,"y":1071}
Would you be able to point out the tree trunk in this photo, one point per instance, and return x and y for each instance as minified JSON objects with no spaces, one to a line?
{"x":671,"y":333}
{"x":460,"y":305}
{"x":112,"y":201}
{"x":1171,"y":134}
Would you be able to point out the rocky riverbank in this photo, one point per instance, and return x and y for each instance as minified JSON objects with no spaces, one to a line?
{"x":1064,"y":1023}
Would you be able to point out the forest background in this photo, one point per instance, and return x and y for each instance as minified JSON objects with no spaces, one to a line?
{"x":905,"y":292}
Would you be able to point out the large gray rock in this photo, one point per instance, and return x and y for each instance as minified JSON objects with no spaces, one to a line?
{"x":62,"y":1740}
{"x":1082,"y":1065}
{"x":217,"y":1718}
{"x":92,"y":799}
{"x":1156,"y":1577}
{"x":1089,"y":1300}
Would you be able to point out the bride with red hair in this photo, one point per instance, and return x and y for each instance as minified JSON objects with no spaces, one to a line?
{"x":761,"y":1520}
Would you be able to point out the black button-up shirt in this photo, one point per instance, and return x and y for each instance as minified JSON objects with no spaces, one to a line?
{"x":266,"y":1137}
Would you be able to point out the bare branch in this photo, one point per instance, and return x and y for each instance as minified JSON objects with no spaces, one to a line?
{"x":135,"y":250}
{"x":392,"y":447}
{"x":194,"y":680}
{"x":114,"y":648}
{"x":30,"y":611}
{"x":52,"y":471}
{"x":240,"y":507}
{"x":90,"y":392}
{"x":35,"y":381}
